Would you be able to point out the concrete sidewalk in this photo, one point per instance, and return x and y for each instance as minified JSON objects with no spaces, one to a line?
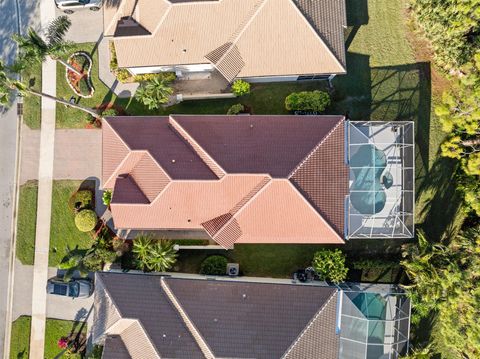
{"x":44,"y":209}
{"x":44,"y":203}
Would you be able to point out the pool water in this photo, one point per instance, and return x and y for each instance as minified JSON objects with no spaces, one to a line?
{"x":368,"y":164}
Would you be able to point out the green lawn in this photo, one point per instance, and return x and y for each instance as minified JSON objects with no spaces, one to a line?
{"x":31,"y":103}
{"x":27,"y":218}
{"x":56,"y":329}
{"x":63,"y":231}
{"x":20,"y":338}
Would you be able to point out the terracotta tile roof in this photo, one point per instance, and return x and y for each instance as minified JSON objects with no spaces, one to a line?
{"x":245,"y":205}
{"x":323,"y":178}
{"x":154,"y":135}
{"x":258,"y":144}
{"x":241,"y":38}
{"x":235,"y":319}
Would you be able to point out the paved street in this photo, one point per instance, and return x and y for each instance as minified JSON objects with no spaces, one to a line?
{"x":10,"y":24}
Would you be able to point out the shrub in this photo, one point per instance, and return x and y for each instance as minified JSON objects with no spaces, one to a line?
{"x":107,"y":197}
{"x":236,"y":109}
{"x":165,"y":76}
{"x":113,"y":57}
{"x":214,"y":265}
{"x":307,"y":101}
{"x":240,"y":87}
{"x":330,"y":265}
{"x":123,"y":75}
{"x":109,"y":112}
{"x":81,"y":200}
{"x":86,"y":220}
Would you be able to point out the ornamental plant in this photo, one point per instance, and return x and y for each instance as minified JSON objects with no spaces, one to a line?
{"x":240,"y":88}
{"x":86,"y":220}
{"x":107,"y":197}
{"x":307,"y":101}
{"x":214,"y":265}
{"x":330,"y":265}
{"x":236,"y":109}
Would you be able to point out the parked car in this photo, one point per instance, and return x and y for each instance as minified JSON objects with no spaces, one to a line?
{"x":70,"y":6}
{"x":76,"y":288}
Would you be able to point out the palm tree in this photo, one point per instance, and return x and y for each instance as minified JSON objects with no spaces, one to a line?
{"x":162,"y":256}
{"x":153,"y":93}
{"x":9,"y":86}
{"x":34,"y":49}
{"x":154,"y":255}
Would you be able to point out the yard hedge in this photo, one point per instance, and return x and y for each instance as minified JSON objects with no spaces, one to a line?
{"x":307,"y":101}
{"x":214,"y":265}
{"x":86,"y":220}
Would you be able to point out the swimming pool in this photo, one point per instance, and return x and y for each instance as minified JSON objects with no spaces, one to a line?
{"x":367,"y":193}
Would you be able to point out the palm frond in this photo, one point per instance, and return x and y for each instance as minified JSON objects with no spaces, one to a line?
{"x":57,"y":29}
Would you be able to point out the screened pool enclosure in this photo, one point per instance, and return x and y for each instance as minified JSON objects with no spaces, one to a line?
{"x":381,"y":200}
{"x":373,"y":325}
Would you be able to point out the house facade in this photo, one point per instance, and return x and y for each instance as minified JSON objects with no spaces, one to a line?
{"x":260,"y":179}
{"x":141,"y":316}
{"x":255,"y":40}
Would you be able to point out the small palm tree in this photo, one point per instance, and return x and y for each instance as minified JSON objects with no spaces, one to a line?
{"x":34,"y":49}
{"x":154,"y":93}
{"x":154,"y":255}
{"x":162,"y":256}
{"x":9,"y":86}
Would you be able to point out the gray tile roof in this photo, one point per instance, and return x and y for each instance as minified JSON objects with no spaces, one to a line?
{"x":114,"y":348}
{"x":328,"y":18}
{"x":235,"y":319}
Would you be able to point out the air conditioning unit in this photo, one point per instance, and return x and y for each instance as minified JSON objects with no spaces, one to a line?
{"x":233,"y":269}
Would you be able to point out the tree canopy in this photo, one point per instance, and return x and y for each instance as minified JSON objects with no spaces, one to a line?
{"x":453,"y":27}
{"x":446,"y":281}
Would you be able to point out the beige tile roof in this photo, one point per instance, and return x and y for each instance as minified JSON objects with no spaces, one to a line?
{"x":242,"y":38}
{"x":186,"y":204}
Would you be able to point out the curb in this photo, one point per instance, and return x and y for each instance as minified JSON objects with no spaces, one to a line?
{"x":11,"y":275}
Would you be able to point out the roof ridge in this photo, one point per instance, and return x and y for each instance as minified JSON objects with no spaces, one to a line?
{"x":122,"y":162}
{"x":233,"y":39}
{"x":254,"y":192}
{"x":302,"y":162}
{"x":310,"y":323}
{"x":123,"y":333}
{"x":197,"y":148}
{"x":317,"y":34}
{"x":194,"y":332}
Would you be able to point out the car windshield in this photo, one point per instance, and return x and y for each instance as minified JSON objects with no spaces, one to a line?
{"x":74,"y":289}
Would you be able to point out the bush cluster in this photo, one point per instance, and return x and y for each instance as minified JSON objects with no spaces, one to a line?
{"x":330,"y":265}
{"x":307,"y":101}
{"x":165,"y":76}
{"x":236,"y":109}
{"x":214,"y":265}
{"x":85,"y":220}
{"x":240,"y":88}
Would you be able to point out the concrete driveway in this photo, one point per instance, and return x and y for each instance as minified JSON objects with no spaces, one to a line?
{"x":78,"y":154}
{"x":57,"y":307}
{"x":87,"y":26}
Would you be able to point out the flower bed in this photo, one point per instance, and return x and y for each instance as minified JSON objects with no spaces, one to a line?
{"x":80,"y":84}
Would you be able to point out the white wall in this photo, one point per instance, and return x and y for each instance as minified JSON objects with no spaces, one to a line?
{"x":270,"y":79}
{"x":182,"y":68}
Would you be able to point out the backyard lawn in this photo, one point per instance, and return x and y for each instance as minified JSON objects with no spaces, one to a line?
{"x":27,"y":218}
{"x":20,"y":338}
